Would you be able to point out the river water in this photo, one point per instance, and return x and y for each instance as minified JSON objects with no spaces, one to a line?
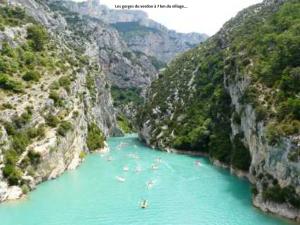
{"x":181,"y":193}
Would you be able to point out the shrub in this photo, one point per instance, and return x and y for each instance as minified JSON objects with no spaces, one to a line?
{"x":20,"y":141}
{"x":28,"y":58}
{"x":52,"y":120}
{"x":25,"y":188}
{"x":12,"y":174}
{"x":34,"y":132}
{"x":124,"y":124}
{"x":56,"y":98}
{"x":290,"y":107}
{"x":82,"y":155}
{"x":38,"y":36}
{"x":34,"y":157}
{"x":22,"y":120}
{"x":281,"y":195}
{"x":10,"y":157}
{"x":65,"y":82}
{"x":64,"y":127}
{"x":7,"y":106}
{"x":54,"y":85}
{"x":31,"y":76}
{"x":7,"y":50}
{"x":290,"y":82}
{"x":10,"y":128}
{"x":8,"y":83}
{"x":95,"y":139}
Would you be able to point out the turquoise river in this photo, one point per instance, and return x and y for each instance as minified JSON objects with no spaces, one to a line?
{"x":181,"y":192}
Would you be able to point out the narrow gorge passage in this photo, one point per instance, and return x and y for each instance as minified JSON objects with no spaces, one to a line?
{"x":182,"y":192}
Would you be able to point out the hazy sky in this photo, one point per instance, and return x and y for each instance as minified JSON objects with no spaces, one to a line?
{"x":203,"y":16}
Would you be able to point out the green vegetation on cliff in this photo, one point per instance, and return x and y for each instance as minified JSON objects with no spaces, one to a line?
{"x":95,"y":139}
{"x":270,"y":53}
{"x":124,"y":124}
{"x":189,"y":105}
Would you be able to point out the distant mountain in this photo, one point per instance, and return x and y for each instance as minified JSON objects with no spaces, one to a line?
{"x":141,"y":33}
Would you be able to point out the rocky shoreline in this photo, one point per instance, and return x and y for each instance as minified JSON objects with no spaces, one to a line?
{"x":282,"y":210}
{"x":12,"y":193}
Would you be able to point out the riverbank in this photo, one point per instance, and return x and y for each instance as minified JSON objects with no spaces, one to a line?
{"x":282,"y":210}
{"x":13,"y":193}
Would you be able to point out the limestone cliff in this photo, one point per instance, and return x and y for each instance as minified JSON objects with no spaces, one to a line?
{"x":55,"y":96}
{"x":236,"y":98}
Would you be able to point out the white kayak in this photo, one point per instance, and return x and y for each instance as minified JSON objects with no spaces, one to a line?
{"x":144,"y":204}
{"x":150,"y":184}
{"x":154,"y":167}
{"x":138,"y":169}
{"x":121,"y":179}
{"x":109,"y":159}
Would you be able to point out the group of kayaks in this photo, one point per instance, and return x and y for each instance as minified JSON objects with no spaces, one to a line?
{"x":155,"y":166}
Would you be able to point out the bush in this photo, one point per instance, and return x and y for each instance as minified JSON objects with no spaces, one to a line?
{"x":12,"y":174}
{"x":34,"y":157}
{"x":22,"y":120}
{"x":95,"y":139}
{"x":28,"y":58}
{"x":10,"y":128}
{"x":7,"y":106}
{"x":33,"y":132}
{"x":25,"y":188}
{"x":10,"y":157}
{"x":7,"y":83}
{"x":20,"y":141}
{"x":82,"y":155}
{"x":290,"y":82}
{"x":290,"y":107}
{"x":124,"y":124}
{"x":64,"y":127}
{"x":38,"y":36}
{"x":274,"y":194}
{"x":31,"y":76}
{"x":52,"y":120}
{"x":56,"y":98}
{"x":65,"y":82}
{"x":282,"y":195}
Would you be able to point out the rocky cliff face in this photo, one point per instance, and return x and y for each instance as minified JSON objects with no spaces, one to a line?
{"x":124,"y":67}
{"x":132,"y":48}
{"x":141,"y":33}
{"x":55,"y":96}
{"x":234,"y":97}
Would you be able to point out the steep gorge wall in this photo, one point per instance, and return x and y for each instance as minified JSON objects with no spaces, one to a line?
{"x":219,"y":99}
{"x":49,"y":125}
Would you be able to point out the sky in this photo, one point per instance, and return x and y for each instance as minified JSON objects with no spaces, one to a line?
{"x":202,"y":16}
